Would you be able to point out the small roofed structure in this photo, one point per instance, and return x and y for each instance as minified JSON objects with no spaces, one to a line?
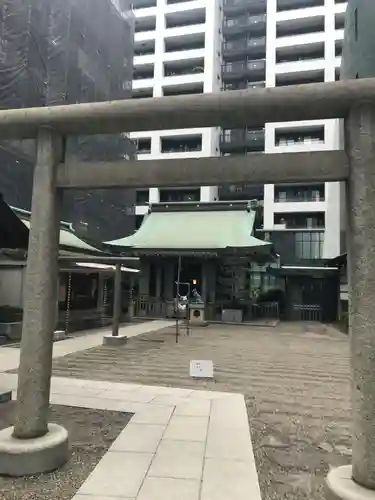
{"x":202,"y":246}
{"x":198,"y":228}
{"x":86,"y":279}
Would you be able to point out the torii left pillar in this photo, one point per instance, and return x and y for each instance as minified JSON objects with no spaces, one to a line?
{"x":34,"y":446}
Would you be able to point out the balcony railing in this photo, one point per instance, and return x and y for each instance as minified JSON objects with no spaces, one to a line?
{"x":244,"y":46}
{"x":299,"y":224}
{"x":243,"y":85}
{"x":241,"y":139}
{"x":242,"y":192}
{"x":242,"y":23}
{"x":299,"y":198}
{"x":184,"y":71}
{"x":240,"y":69}
{"x":183,"y":148}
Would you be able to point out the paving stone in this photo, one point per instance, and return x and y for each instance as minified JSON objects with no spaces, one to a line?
{"x":169,"y":399}
{"x":131,"y":396}
{"x":153,"y":414}
{"x":229,"y":479}
{"x":235,"y":444}
{"x":229,"y":415}
{"x":118,"y":474}
{"x":194,"y":408}
{"x":139,"y":437}
{"x":178,"y":460}
{"x":161,"y":488}
{"x":187,"y":428}
{"x":172,"y":446}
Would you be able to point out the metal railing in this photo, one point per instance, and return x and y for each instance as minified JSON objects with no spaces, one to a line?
{"x":307,"y":312}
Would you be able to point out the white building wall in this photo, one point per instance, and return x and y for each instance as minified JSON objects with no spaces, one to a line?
{"x":210,"y":80}
{"x":11,"y":286}
{"x":326,"y":65}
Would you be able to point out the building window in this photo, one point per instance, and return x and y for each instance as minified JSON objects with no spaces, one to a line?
{"x":309,"y":245}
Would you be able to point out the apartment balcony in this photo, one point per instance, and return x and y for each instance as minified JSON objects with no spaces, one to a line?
{"x":295,"y":222}
{"x":312,"y":197}
{"x":239,"y":6}
{"x":245,"y":140}
{"x":243,"y":85}
{"x":244,"y":70}
{"x":241,"y":24}
{"x":242,"y":192}
{"x":254,"y":47}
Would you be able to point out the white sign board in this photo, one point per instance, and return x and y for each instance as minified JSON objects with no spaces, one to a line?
{"x":203,"y":368}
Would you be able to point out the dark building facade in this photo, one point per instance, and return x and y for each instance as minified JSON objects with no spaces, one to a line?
{"x":244,"y":66}
{"x":63,"y":52}
{"x":358,"y":57}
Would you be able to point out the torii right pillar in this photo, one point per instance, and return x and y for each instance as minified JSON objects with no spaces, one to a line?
{"x":357,"y":482}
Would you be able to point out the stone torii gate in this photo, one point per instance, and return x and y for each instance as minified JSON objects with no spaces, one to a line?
{"x":33,"y":445}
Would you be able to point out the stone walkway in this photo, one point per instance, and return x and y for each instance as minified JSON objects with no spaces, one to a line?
{"x":180,"y":444}
{"x":295,"y":378}
{"x":9,"y":356}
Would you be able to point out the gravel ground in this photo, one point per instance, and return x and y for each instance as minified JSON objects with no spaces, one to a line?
{"x":91,"y":434}
{"x":295,"y":378}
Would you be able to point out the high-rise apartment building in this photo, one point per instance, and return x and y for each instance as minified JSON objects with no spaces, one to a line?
{"x":304,"y":45}
{"x":199,"y":46}
{"x":177,"y":51}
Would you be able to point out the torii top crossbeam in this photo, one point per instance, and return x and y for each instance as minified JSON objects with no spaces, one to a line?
{"x":231,"y":109}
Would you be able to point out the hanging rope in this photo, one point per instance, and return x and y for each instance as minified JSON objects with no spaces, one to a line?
{"x":68,"y":302}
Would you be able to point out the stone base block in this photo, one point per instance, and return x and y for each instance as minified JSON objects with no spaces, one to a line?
{"x":115,"y":341}
{"x":26,"y":457}
{"x":59,"y":335}
{"x":340,"y":486}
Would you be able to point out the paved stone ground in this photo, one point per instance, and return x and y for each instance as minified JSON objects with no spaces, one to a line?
{"x":295,"y":379}
{"x":91,"y":433}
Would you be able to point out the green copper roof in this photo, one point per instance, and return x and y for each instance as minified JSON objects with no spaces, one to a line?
{"x":69,"y":239}
{"x":195,"y":230}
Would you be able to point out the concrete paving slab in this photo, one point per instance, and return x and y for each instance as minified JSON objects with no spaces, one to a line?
{"x":140,"y":438}
{"x":170,"y":399}
{"x":229,"y":479}
{"x":134,"y":396}
{"x":120,"y":474}
{"x":161,"y":488}
{"x":194,"y":408}
{"x":231,"y":415}
{"x":169,"y":447}
{"x":187,"y":428}
{"x":174,"y":462}
{"x":154,"y":415}
{"x":234,"y":445}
